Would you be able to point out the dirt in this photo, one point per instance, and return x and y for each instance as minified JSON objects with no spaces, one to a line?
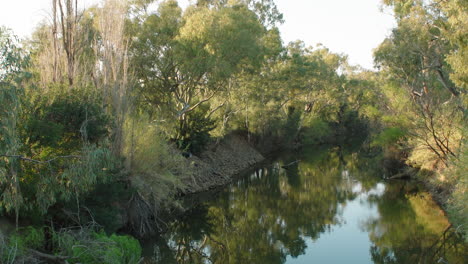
{"x":220,"y":162}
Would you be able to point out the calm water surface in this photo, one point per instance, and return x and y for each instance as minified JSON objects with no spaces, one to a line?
{"x":330,"y":207}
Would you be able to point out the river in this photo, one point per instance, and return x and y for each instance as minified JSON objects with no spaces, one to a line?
{"x":319,"y":206}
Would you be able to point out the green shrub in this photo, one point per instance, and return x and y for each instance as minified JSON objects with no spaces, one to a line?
{"x":64,"y":121}
{"x":104,"y":204}
{"x":389,"y":136}
{"x":196,"y":132}
{"x":31,"y":237}
{"x":88,"y":247}
{"x":353,"y":129}
{"x":290,"y":128}
{"x":102,"y":249}
{"x":124,"y":249}
{"x":157,"y":168}
{"x":457,"y":204}
{"x":316,"y":131}
{"x":17,"y":245}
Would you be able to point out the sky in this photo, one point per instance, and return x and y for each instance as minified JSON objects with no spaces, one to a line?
{"x":350,"y":27}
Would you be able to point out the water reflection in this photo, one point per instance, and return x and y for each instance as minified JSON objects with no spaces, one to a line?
{"x":328,"y":208}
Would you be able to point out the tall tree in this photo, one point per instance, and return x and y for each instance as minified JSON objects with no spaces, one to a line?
{"x":415,"y":57}
{"x":456,"y":31}
{"x":12,"y":63}
{"x":113,"y":77}
{"x":184,"y":61}
{"x":61,"y":50}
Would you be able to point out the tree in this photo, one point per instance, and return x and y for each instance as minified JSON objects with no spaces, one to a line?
{"x":184,"y":61}
{"x":13,"y":60}
{"x":63,"y":51}
{"x":414,"y":56}
{"x":266,"y":10}
{"x":456,"y":31}
{"x":114,"y":78}
{"x":68,"y":19}
{"x":62,"y":167}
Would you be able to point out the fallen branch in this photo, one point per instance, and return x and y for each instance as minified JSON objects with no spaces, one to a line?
{"x":292,"y":163}
{"x":398,"y":176}
{"x":41,"y":161}
{"x":49,"y":257}
{"x":403,"y":175}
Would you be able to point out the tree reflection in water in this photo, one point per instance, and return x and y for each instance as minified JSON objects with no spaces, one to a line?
{"x":268,"y":215}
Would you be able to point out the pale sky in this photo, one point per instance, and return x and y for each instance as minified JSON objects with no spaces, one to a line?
{"x":351,"y":27}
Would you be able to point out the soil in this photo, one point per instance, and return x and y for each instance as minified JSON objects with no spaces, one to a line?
{"x":220,"y":162}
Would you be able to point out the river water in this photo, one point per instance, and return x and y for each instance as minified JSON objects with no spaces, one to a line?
{"x":324,"y":206}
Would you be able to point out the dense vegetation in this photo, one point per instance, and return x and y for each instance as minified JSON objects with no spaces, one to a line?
{"x":100,"y":102}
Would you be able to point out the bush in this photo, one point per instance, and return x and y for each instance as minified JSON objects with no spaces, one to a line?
{"x":157,"y":168}
{"x":457,"y":204}
{"x":353,"y":128}
{"x":82,"y":246}
{"x":106,"y":204}
{"x":290,"y":129}
{"x":196,"y":133}
{"x":389,"y":136}
{"x":99,"y":248}
{"x":63,"y":122}
{"x":17,"y":245}
{"x":316,"y":131}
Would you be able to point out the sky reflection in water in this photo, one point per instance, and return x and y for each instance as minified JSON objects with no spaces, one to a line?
{"x":330,"y":207}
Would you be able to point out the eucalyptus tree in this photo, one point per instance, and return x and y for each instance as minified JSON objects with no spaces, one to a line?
{"x":13,"y":60}
{"x":294,"y":85}
{"x":414,"y":56}
{"x":63,"y":50}
{"x":48,"y":149}
{"x":456,"y":31}
{"x":266,"y":10}
{"x":448,"y":23}
{"x":183,"y":60}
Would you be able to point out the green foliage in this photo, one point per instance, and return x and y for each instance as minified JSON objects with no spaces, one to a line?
{"x":60,"y":131}
{"x":266,"y":10}
{"x":217,"y":67}
{"x":416,"y":58}
{"x":12,"y":75}
{"x":101,"y":248}
{"x":195,"y":133}
{"x":78,"y":177}
{"x":106,"y":204}
{"x":62,"y":121}
{"x":350,"y":129}
{"x":16,"y":246}
{"x":28,"y":237}
{"x":13,"y":59}
{"x":457,"y":209}
{"x":157,"y":167}
{"x":456,"y":31}
{"x":80,"y":246}
{"x":183,"y":61}
{"x":389,"y":136}
{"x":316,"y":131}
{"x":291,"y":126}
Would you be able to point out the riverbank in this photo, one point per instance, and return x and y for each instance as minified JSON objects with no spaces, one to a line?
{"x":450,"y":196}
{"x":219,"y":162}
{"x":447,"y":187}
{"x":145,"y":215}
{"x":334,"y":196}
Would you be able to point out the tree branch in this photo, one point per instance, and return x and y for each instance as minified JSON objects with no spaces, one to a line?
{"x":39,"y":161}
{"x":216,"y":109}
{"x":49,"y":257}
